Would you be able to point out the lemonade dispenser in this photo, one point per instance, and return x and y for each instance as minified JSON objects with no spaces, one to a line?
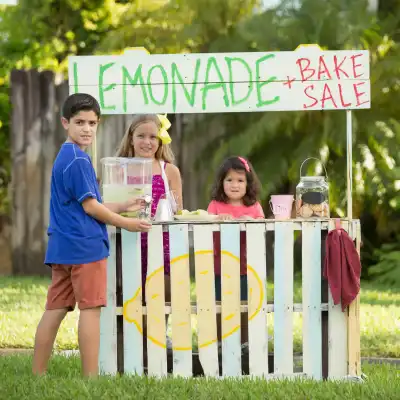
{"x":125,"y":178}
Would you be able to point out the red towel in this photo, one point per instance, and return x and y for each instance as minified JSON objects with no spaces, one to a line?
{"x":342,"y":267}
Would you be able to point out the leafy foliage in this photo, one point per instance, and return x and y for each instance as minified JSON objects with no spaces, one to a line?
{"x":387,"y":270}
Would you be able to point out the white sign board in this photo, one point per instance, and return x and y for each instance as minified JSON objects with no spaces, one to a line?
{"x":306,"y":79}
{"x":8,"y":2}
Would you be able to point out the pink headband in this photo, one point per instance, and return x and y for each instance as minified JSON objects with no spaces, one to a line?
{"x":245,"y":163}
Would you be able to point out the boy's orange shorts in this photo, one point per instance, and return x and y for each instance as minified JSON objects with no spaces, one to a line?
{"x":85,"y":284}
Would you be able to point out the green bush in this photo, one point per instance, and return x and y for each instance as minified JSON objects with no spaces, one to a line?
{"x":387,"y":270}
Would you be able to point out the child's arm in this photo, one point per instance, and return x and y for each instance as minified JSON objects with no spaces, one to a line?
{"x":100,"y":212}
{"x":131,"y":205}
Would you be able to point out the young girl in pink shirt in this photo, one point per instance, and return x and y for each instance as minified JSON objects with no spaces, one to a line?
{"x":236,"y":190}
{"x":235,"y":196}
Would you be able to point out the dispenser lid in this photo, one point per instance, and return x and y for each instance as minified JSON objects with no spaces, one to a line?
{"x":125,"y":160}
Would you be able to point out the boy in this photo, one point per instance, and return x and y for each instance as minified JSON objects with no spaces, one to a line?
{"x":78,"y":242}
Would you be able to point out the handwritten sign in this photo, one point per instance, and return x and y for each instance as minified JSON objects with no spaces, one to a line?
{"x":224,"y":82}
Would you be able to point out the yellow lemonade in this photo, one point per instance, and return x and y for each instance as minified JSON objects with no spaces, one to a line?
{"x":117,"y":193}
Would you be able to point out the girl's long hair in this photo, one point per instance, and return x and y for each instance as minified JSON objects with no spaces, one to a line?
{"x":126,"y":149}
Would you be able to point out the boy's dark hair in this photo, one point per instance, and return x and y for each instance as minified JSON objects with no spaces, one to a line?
{"x":253,"y":184}
{"x":80,"y":102}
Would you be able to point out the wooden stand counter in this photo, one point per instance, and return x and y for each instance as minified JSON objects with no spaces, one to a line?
{"x":331,"y":339}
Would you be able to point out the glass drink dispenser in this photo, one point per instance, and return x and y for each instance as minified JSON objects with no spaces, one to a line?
{"x":126,"y":178}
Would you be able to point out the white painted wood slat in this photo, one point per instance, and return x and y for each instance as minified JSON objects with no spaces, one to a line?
{"x":257,"y":299}
{"x":155,"y":302}
{"x":108,"y":317}
{"x":180,"y":301}
{"x":230,"y":300}
{"x":231,"y":66}
{"x":205,"y":298}
{"x":311,"y":276}
{"x":337,"y":336}
{"x":132,"y":299}
{"x":283,"y":298}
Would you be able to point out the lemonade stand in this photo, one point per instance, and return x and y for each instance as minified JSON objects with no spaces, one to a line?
{"x":303,"y":80}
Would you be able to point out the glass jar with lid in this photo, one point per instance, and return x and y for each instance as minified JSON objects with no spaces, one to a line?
{"x":312,"y":195}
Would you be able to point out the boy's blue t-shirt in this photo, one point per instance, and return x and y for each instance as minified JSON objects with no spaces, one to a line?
{"x":74,"y":236}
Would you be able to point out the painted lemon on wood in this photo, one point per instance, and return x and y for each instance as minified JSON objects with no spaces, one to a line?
{"x":204,"y":260}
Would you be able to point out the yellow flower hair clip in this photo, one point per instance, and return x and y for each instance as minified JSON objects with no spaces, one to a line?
{"x":165,"y":125}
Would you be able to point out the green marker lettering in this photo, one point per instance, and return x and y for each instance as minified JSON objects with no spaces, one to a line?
{"x":259,"y":84}
{"x":149,"y":84}
{"x":104,"y":68}
{"x":212,"y":62}
{"x":76,"y":89}
{"x":176,"y":75}
{"x":137,"y":80}
{"x":229,"y":61}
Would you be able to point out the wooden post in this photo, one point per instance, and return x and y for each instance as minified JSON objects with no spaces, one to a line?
{"x":19,"y":242}
{"x":353,"y":329}
{"x":34,"y":199}
{"x":49,"y":147}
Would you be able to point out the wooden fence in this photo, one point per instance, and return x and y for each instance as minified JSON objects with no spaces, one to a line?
{"x":331,"y":338}
{"x":36,"y":136}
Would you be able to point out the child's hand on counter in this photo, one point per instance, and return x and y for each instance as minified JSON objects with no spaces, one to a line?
{"x":225,"y":217}
{"x":136,"y":225}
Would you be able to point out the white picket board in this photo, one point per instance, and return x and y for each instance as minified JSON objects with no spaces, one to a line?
{"x":228,"y":67}
{"x":155,"y":305}
{"x":257,"y":274}
{"x":132,"y":295}
{"x":180,"y":300}
{"x":205,"y":299}
{"x":238,"y":97}
{"x":224,"y":82}
{"x":108,"y":316}
{"x":230,"y":300}
{"x":311,"y":281}
{"x":283,"y":298}
{"x":337,"y":336}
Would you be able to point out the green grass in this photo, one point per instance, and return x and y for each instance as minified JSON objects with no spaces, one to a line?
{"x":64,"y":382}
{"x":23,"y":300}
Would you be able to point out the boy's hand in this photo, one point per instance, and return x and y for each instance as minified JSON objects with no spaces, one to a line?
{"x":133,"y":205}
{"x":136,"y":225}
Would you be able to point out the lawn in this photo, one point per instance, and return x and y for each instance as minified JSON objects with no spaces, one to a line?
{"x":64,"y":382}
{"x":23,"y":299}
